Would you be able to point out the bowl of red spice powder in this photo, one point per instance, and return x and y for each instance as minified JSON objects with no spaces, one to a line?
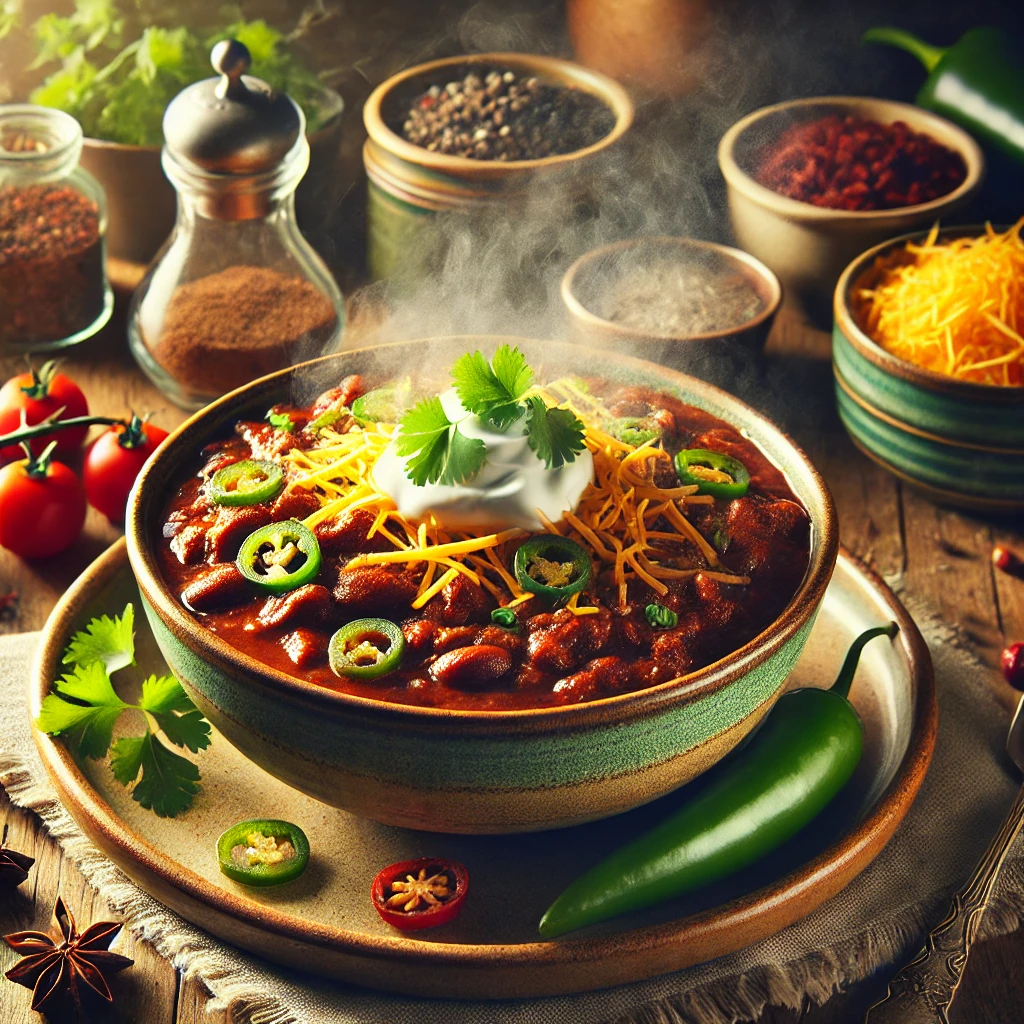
{"x":812,"y":183}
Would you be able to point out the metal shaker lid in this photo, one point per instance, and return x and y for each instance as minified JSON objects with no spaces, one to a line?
{"x":234,"y":124}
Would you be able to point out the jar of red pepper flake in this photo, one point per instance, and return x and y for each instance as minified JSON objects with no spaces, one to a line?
{"x":53,"y":219}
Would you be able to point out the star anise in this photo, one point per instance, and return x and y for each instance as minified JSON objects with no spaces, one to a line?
{"x":68,"y":971}
{"x":13,"y":865}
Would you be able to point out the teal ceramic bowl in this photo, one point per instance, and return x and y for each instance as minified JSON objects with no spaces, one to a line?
{"x":474,"y":771}
{"x":960,"y":442}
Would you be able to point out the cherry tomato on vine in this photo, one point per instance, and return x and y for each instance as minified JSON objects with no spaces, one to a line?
{"x":41,"y":393}
{"x":42,"y":506}
{"x":112,"y":462}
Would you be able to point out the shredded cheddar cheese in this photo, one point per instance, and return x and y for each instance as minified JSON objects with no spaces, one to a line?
{"x":954,"y":307}
{"x":631,"y":526}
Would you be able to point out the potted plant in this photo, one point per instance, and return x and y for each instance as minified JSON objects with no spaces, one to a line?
{"x":116,"y":64}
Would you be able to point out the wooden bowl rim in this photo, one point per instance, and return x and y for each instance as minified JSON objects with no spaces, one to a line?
{"x":619,"y":708}
{"x":750,"y":266}
{"x":870,"y":106}
{"x":893,"y":365}
{"x":613,"y":95}
{"x":766,"y":909}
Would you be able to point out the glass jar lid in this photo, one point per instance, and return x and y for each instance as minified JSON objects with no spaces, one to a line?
{"x":234,"y":124}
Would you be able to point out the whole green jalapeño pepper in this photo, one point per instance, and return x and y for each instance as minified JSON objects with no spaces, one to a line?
{"x":552,"y":567}
{"x":714,"y":473}
{"x":280,"y":557}
{"x":263,"y":852}
{"x":978,"y":83}
{"x":246,"y":483}
{"x":366,"y":649}
{"x":794,"y":765}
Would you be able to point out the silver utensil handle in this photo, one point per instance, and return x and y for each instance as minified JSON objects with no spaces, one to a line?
{"x":922,"y":992}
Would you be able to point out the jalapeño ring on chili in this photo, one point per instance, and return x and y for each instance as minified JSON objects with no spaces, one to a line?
{"x":263,"y":852}
{"x":383,"y":405}
{"x":366,"y":649}
{"x":246,"y":483}
{"x":714,"y":473}
{"x":553,"y":567}
{"x":280,"y":556}
{"x":421,"y":893}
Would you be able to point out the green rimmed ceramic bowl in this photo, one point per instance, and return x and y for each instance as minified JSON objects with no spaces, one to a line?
{"x":960,"y":442}
{"x":475,"y":771}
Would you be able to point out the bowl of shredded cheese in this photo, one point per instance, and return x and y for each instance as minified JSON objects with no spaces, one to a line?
{"x":928,"y":354}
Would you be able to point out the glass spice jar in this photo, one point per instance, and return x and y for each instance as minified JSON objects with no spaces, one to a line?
{"x":236,"y":292}
{"x":53,"y":222}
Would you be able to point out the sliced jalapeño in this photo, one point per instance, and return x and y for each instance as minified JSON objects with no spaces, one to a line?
{"x":714,"y":473}
{"x":246,"y":483}
{"x":263,"y":852}
{"x":366,"y":648}
{"x":553,"y":567}
{"x":280,"y":557}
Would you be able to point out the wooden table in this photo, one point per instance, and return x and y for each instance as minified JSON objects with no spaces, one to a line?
{"x":939,"y":555}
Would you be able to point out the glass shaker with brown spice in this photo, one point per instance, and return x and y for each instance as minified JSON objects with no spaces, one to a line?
{"x":236,"y":292}
{"x":53,"y":221}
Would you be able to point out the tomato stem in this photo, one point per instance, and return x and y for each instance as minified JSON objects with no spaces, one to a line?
{"x":48,"y":426}
{"x":41,"y":380}
{"x":133,"y":436}
{"x":39,"y":465}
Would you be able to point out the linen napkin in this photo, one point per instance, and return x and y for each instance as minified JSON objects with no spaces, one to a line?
{"x":877,"y":921}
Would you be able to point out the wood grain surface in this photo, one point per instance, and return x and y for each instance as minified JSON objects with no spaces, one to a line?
{"x":939,"y":555}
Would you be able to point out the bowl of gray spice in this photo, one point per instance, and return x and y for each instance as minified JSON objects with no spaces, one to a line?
{"x":710,"y":304}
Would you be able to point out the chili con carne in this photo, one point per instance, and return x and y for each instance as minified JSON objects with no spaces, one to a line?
{"x":802,"y":756}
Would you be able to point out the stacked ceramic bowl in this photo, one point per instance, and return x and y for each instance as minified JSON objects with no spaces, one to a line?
{"x":960,"y":441}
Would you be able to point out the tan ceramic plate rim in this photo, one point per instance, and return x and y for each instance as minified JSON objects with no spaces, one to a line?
{"x":885,"y":360}
{"x":597,"y":84}
{"x":766,"y":907}
{"x":751,"y":267}
{"x":701,"y":683}
{"x":798,"y":211}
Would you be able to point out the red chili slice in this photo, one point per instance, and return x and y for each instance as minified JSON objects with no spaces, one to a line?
{"x":422,"y":893}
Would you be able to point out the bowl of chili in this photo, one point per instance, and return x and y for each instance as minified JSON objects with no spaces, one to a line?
{"x":484,"y":756}
{"x":929,"y":376}
{"x":812,"y":183}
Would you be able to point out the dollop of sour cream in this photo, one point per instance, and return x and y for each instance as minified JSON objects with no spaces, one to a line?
{"x":507,"y":492}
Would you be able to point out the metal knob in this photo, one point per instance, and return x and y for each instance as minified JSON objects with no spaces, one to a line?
{"x":231,"y":59}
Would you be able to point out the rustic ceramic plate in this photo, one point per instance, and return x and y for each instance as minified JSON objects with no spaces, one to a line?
{"x":324,"y":922}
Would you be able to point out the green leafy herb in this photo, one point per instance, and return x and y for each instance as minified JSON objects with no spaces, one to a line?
{"x":493,"y":390}
{"x":438,"y":452}
{"x":660,"y":617}
{"x":281,"y":421}
{"x":84,"y":708}
{"x":120,"y":63}
{"x":556,"y":435}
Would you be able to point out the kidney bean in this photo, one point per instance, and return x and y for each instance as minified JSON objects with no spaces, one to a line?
{"x":347,"y":534}
{"x":305,"y":646}
{"x":471,"y":667}
{"x":293,"y":505}
{"x":309,"y":605}
{"x":373,"y":590}
{"x":230,"y":528}
{"x":189,"y":543}
{"x":223,"y":586}
{"x":460,"y":603}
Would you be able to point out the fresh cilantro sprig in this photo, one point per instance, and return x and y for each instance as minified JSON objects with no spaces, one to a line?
{"x":496,"y":391}
{"x":281,"y":421}
{"x":84,"y":708}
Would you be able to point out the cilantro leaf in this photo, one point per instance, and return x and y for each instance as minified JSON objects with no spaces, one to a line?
{"x":188,"y":730}
{"x":281,"y":421}
{"x":462,"y":459}
{"x":106,"y":640}
{"x":90,"y":728}
{"x":492,"y":390}
{"x":169,"y":781}
{"x":91,"y":684}
{"x":126,"y":758}
{"x":424,"y":435}
{"x":555,"y":435}
{"x":164,"y":694}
